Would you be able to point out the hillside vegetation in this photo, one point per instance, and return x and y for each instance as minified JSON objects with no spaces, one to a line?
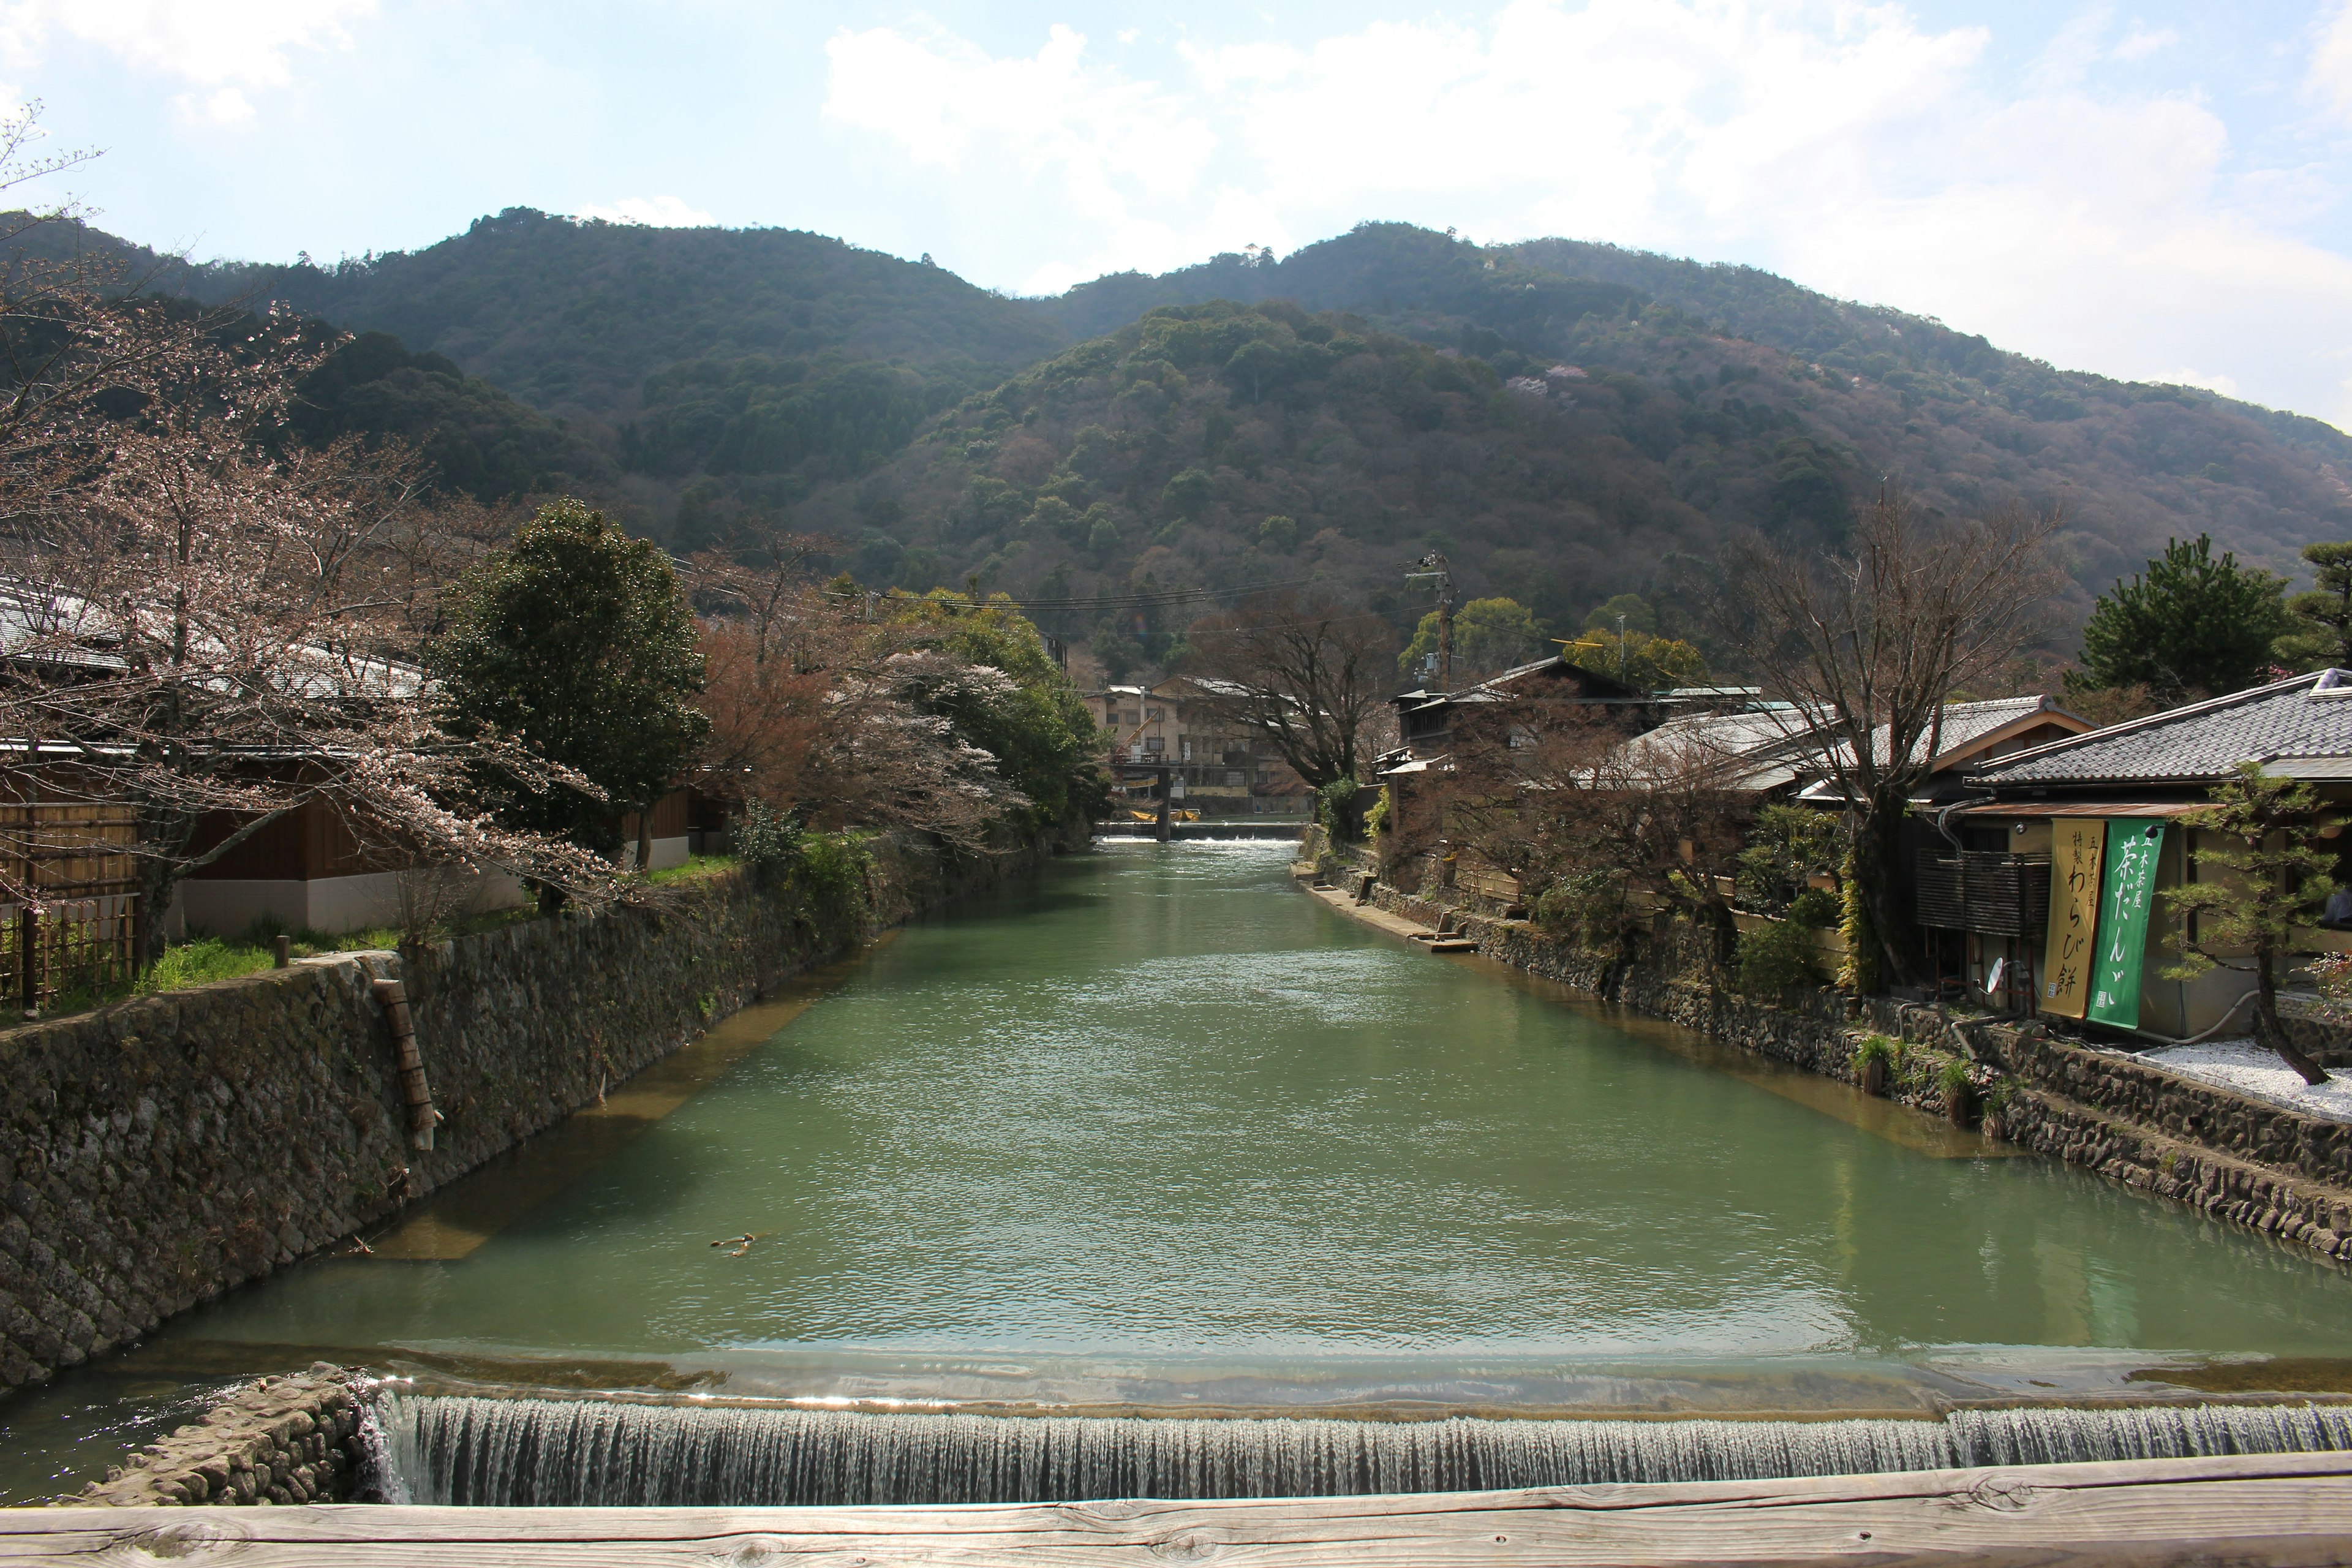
{"x":1561,"y":416}
{"x":1861,"y":390}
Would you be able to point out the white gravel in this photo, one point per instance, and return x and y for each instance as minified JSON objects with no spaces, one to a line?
{"x":2250,"y":1070}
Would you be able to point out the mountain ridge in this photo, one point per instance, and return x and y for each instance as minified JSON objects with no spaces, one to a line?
{"x":720,"y":374}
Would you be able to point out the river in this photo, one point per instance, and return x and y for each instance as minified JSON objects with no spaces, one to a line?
{"x":1158,"y":1132}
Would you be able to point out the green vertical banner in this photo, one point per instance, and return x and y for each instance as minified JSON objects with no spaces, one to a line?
{"x":2133,"y":845}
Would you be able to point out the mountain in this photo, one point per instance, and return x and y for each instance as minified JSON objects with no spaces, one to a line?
{"x":1561,"y":415}
{"x":1868,"y":390}
{"x":483,"y":441}
{"x":717,"y":368}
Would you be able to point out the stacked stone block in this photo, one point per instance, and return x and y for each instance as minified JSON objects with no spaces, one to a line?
{"x":285,"y":1440}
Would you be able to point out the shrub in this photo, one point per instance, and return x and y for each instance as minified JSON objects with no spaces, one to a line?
{"x":1778,"y":958}
{"x":1817,"y":908}
{"x":1334,"y":808}
{"x":1376,"y":821}
{"x":1875,"y":1049}
{"x":832,"y":877}
{"x":1586,"y":907}
{"x":1958,"y":1087}
{"x":768,"y":842}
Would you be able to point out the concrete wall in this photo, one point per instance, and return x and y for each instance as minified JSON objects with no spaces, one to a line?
{"x":157,"y":1153}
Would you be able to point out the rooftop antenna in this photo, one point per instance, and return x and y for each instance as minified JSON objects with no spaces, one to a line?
{"x":1437,"y":568}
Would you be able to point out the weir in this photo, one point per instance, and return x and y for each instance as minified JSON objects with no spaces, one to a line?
{"x":524,"y":1453}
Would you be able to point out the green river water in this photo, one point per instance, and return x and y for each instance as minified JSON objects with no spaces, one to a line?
{"x":1159,"y":1131}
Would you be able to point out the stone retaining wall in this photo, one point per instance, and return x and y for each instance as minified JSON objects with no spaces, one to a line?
{"x":284,"y":1440}
{"x":159,"y":1152}
{"x":2238,"y":1158}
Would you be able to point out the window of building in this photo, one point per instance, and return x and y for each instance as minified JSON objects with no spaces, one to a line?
{"x":1154,"y":743}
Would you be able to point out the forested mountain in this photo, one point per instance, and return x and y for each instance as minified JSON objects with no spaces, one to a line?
{"x":1561,"y":416}
{"x":715,"y":367}
{"x":483,"y":440}
{"x":1741,"y":383}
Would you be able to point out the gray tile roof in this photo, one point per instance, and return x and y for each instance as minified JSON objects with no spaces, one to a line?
{"x":2306,"y":720}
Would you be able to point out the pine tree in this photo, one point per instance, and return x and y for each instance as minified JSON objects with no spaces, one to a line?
{"x":2188,"y":625}
{"x":2273,"y":880}
{"x":2323,"y":634}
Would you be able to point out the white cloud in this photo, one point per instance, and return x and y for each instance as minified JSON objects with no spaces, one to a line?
{"x":654,"y":212}
{"x":2331,"y":62}
{"x":2227,"y":385}
{"x":226,"y":107}
{"x":210,"y":42}
{"x":1845,"y":144}
{"x":2143,"y":41}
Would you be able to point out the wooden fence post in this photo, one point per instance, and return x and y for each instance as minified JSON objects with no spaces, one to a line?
{"x":28,"y":959}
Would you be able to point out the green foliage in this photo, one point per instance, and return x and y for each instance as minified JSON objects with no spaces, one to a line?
{"x":1635,"y":610}
{"x":1376,"y":821}
{"x":1489,"y":634}
{"x":767,"y":841}
{"x":1644,"y":662}
{"x":479,"y":440}
{"x":1817,"y":908}
{"x":1858,"y":975}
{"x":1040,"y":733}
{"x":2274,"y":876}
{"x":1334,"y":808}
{"x":737,"y":373}
{"x":1955,"y":1082}
{"x":204,"y":960}
{"x":693,"y":868}
{"x":831,"y":878}
{"x":577,"y":641}
{"x":2323,"y":615}
{"x":1279,"y":532}
{"x":1186,"y":494}
{"x":1876,"y":1048}
{"x":1587,"y":908}
{"x":2189,"y":624}
{"x":1118,"y":653}
{"x":1788,"y":846}
{"x":1775,"y":958}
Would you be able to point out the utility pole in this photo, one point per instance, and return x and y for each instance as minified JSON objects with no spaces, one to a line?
{"x":1437,"y":568}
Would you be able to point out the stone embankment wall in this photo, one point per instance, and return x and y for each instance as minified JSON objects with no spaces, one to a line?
{"x":159,"y":1152}
{"x":284,"y":1440}
{"x":2238,"y":1158}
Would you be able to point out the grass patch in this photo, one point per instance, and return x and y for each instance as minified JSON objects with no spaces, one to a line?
{"x":696,"y":869}
{"x":205,"y":958}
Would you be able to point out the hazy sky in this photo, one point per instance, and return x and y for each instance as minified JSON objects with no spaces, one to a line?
{"x":2158,"y":191}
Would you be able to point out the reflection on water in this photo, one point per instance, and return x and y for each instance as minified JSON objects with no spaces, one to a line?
{"x":1160,"y":1131}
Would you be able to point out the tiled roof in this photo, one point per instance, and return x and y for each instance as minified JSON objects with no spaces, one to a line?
{"x":1965,"y":723}
{"x":2306,"y":720}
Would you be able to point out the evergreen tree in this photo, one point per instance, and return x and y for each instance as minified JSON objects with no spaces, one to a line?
{"x":1489,"y":634}
{"x":576,"y":640}
{"x":2263,"y":878}
{"x":2188,"y":625}
{"x":2322,"y":632}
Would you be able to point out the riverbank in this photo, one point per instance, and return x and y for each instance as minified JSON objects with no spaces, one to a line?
{"x":162,"y":1151}
{"x":2239,"y":1158}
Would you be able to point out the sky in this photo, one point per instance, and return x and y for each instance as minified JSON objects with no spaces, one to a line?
{"x":2155,"y":191}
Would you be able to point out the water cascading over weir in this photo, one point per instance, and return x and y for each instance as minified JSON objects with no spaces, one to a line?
{"x":582,"y":1453}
